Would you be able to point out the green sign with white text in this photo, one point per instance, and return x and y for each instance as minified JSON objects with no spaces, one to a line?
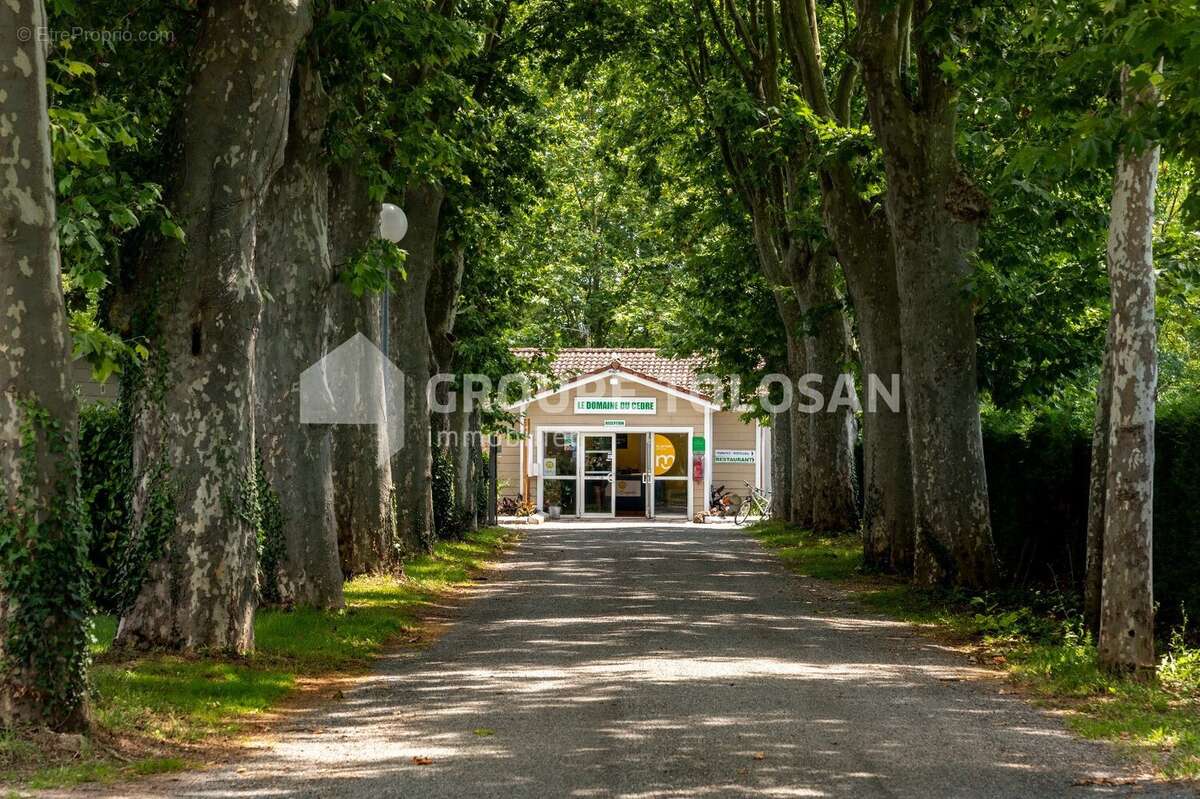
{"x":635,"y":405}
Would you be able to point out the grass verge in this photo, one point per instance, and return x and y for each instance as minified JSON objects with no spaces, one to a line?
{"x":1039,"y":640}
{"x":156,"y":713}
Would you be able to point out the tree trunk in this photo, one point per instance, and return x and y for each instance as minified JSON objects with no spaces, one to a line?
{"x":1126,"y":640}
{"x":864,"y":249}
{"x":411,"y":351}
{"x":864,"y":246}
{"x":465,"y":441}
{"x":441,"y":306}
{"x":479,"y":474}
{"x":800,"y":507}
{"x":1098,"y":490}
{"x":194,"y":432}
{"x":937,"y":334}
{"x":781,"y":464}
{"x":362,"y":473}
{"x":292,"y":261}
{"x":832,"y":430}
{"x":44,"y":611}
{"x":933,"y":213}
{"x":447,"y":427}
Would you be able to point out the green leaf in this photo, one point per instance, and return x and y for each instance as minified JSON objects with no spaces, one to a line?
{"x":78,"y":68}
{"x":171,"y":230}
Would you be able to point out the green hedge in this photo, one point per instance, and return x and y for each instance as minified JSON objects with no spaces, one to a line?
{"x":444,"y":522}
{"x":106,"y":472}
{"x":1038,"y":487}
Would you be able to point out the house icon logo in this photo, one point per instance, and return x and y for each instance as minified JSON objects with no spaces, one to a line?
{"x":356,"y":384}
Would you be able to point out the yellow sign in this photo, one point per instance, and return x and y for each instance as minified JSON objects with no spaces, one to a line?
{"x":664,"y":454}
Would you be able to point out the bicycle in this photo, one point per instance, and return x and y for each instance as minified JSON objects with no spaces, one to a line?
{"x":757,"y":503}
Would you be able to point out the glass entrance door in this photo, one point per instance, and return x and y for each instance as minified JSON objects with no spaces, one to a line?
{"x":669,"y":473}
{"x":560,"y":479}
{"x":599,"y":474}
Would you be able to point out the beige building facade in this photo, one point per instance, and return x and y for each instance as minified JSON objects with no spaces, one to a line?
{"x":627,"y":433}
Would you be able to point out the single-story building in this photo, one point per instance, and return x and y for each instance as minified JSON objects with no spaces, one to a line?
{"x":627,"y":432}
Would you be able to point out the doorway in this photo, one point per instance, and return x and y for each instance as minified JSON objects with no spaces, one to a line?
{"x":599,"y":474}
{"x":632,"y":484}
{"x":640,"y":473}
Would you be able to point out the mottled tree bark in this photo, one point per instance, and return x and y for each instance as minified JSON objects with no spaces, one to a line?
{"x":1098,"y":490}
{"x":462,"y":454}
{"x":933,"y":212}
{"x":833,"y":429}
{"x":1126,"y":640}
{"x":864,"y":248}
{"x":293,"y":265}
{"x":802,"y":466}
{"x":799,"y":477}
{"x":822,"y":460}
{"x":43,"y":605}
{"x":362,"y":474}
{"x":781,"y":464}
{"x":411,"y":350}
{"x":451,"y":430}
{"x":441,"y":306}
{"x":195,"y":412}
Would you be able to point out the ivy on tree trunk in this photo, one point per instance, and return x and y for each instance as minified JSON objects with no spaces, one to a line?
{"x":200,"y":313}
{"x":362,"y":472}
{"x":294,"y":269}
{"x":411,"y":351}
{"x":44,"y":608}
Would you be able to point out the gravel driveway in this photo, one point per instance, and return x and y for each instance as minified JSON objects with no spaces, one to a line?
{"x":666,"y":660}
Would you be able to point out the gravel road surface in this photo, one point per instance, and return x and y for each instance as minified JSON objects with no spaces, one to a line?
{"x":666,"y":660}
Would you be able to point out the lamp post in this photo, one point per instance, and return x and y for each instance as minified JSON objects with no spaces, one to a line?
{"x":493,"y":482}
{"x":393,"y":226}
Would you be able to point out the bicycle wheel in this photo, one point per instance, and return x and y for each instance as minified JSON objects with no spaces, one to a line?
{"x":743,"y":511}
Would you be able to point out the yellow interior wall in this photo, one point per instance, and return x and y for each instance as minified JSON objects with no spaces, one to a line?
{"x":634,"y":454}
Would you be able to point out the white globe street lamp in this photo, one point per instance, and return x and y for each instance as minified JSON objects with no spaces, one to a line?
{"x":393,"y":224}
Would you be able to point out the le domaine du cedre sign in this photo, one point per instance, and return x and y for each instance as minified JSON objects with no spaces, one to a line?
{"x":643,"y":405}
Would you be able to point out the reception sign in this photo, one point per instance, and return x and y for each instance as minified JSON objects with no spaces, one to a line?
{"x":636,"y":405}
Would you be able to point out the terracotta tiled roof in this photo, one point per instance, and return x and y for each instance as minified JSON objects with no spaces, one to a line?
{"x":574,"y":361}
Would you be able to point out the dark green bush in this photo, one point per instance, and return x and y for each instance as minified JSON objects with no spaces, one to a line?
{"x":268,"y":521}
{"x":482,"y":493}
{"x":444,"y":522}
{"x":106,"y":474}
{"x":1038,"y":488}
{"x":1177,"y":510}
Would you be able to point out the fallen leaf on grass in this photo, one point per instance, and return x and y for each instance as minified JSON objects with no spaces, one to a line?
{"x":419,"y":760}
{"x":760,"y":755}
{"x":482,"y":731}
